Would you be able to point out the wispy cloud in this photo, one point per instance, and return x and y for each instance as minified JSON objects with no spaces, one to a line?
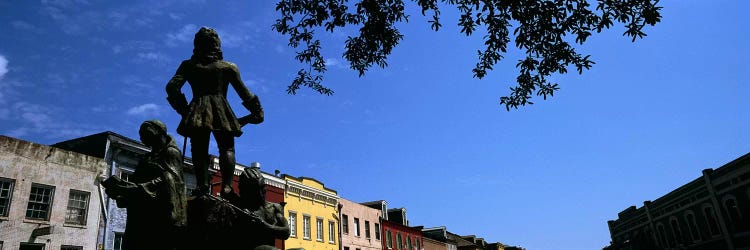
{"x":157,"y":57}
{"x":242,"y":36}
{"x":133,"y":46}
{"x":38,"y":119}
{"x":3,"y":66}
{"x":181,"y":36}
{"x":175,"y":16}
{"x":333,"y":62}
{"x":144,"y":110}
{"x":21,"y":25}
{"x":137,"y":86}
{"x":6,"y":86}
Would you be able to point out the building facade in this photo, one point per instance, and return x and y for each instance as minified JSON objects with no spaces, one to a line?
{"x":312,"y":211}
{"x":430,"y":244}
{"x":360,"y":226}
{"x":49,"y":198}
{"x":439,"y":234}
{"x":710,"y":212}
{"x":398,"y":234}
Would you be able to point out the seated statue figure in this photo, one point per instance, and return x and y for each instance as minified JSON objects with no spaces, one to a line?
{"x":266,"y":219}
{"x":154,"y":195}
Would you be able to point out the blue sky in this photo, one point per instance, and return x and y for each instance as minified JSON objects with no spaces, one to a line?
{"x":421,"y":133}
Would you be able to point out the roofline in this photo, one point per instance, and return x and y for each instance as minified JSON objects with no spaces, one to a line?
{"x":299,"y":179}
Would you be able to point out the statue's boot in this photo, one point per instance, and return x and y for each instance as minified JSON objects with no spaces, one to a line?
{"x":226,"y":165}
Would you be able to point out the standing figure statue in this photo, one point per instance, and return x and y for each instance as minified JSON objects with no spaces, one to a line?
{"x":209,"y":112}
{"x":154,"y":195}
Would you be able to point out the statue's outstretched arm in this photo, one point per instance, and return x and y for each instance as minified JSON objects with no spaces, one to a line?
{"x":174,"y":90}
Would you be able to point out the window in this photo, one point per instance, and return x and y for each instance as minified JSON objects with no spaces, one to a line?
{"x":331,"y":232}
{"x":662,"y":234}
{"x":356,"y":226}
{"x":345,"y":223}
{"x":40,"y":201}
{"x":730,"y":204}
{"x":65,"y":247}
{"x":292,"y":224}
{"x":319,"y":228}
{"x":713,"y":224}
{"x":676,"y":232}
{"x":367,"y":229}
{"x":125,"y":174}
{"x":408,"y":242}
{"x":31,"y":246}
{"x":6,"y":192}
{"x":306,"y":226}
{"x":419,"y":245}
{"x":695,"y":234}
{"x":346,"y":248}
{"x":388,"y":239}
{"x":399,"y":241}
{"x":77,"y":206}
{"x":377,"y":231}
{"x":118,"y":241}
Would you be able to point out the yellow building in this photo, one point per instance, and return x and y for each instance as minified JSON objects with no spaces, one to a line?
{"x":311,"y":210}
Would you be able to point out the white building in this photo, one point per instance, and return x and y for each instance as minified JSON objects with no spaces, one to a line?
{"x":49,"y":197}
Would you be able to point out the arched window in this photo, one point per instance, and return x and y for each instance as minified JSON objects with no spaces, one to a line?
{"x":692,"y":224}
{"x":730,"y":204}
{"x":662,"y":235}
{"x":399,"y":241}
{"x":713,"y":223}
{"x":733,"y":210}
{"x":674,"y":226}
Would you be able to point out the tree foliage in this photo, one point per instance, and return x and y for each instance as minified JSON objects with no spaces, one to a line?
{"x":541,"y":29}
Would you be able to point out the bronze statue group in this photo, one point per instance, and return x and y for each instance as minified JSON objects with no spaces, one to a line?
{"x":160,"y":214}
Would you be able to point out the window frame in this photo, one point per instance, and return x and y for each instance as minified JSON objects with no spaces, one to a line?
{"x":399,"y":241}
{"x":9,"y":197}
{"x":377,"y":231}
{"x":367,"y":229}
{"x":692,"y":224}
{"x":114,"y":240}
{"x":388,"y":239}
{"x":331,"y":232}
{"x":734,"y":213}
{"x":319,"y":229}
{"x":87,"y":197}
{"x":711,"y":220}
{"x":357,"y":233}
{"x":674,"y":228}
{"x":306,"y":230}
{"x":293,"y":224}
{"x":344,"y":224}
{"x":49,"y":203}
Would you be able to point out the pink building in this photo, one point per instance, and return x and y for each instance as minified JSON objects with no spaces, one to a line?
{"x":360,"y":226}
